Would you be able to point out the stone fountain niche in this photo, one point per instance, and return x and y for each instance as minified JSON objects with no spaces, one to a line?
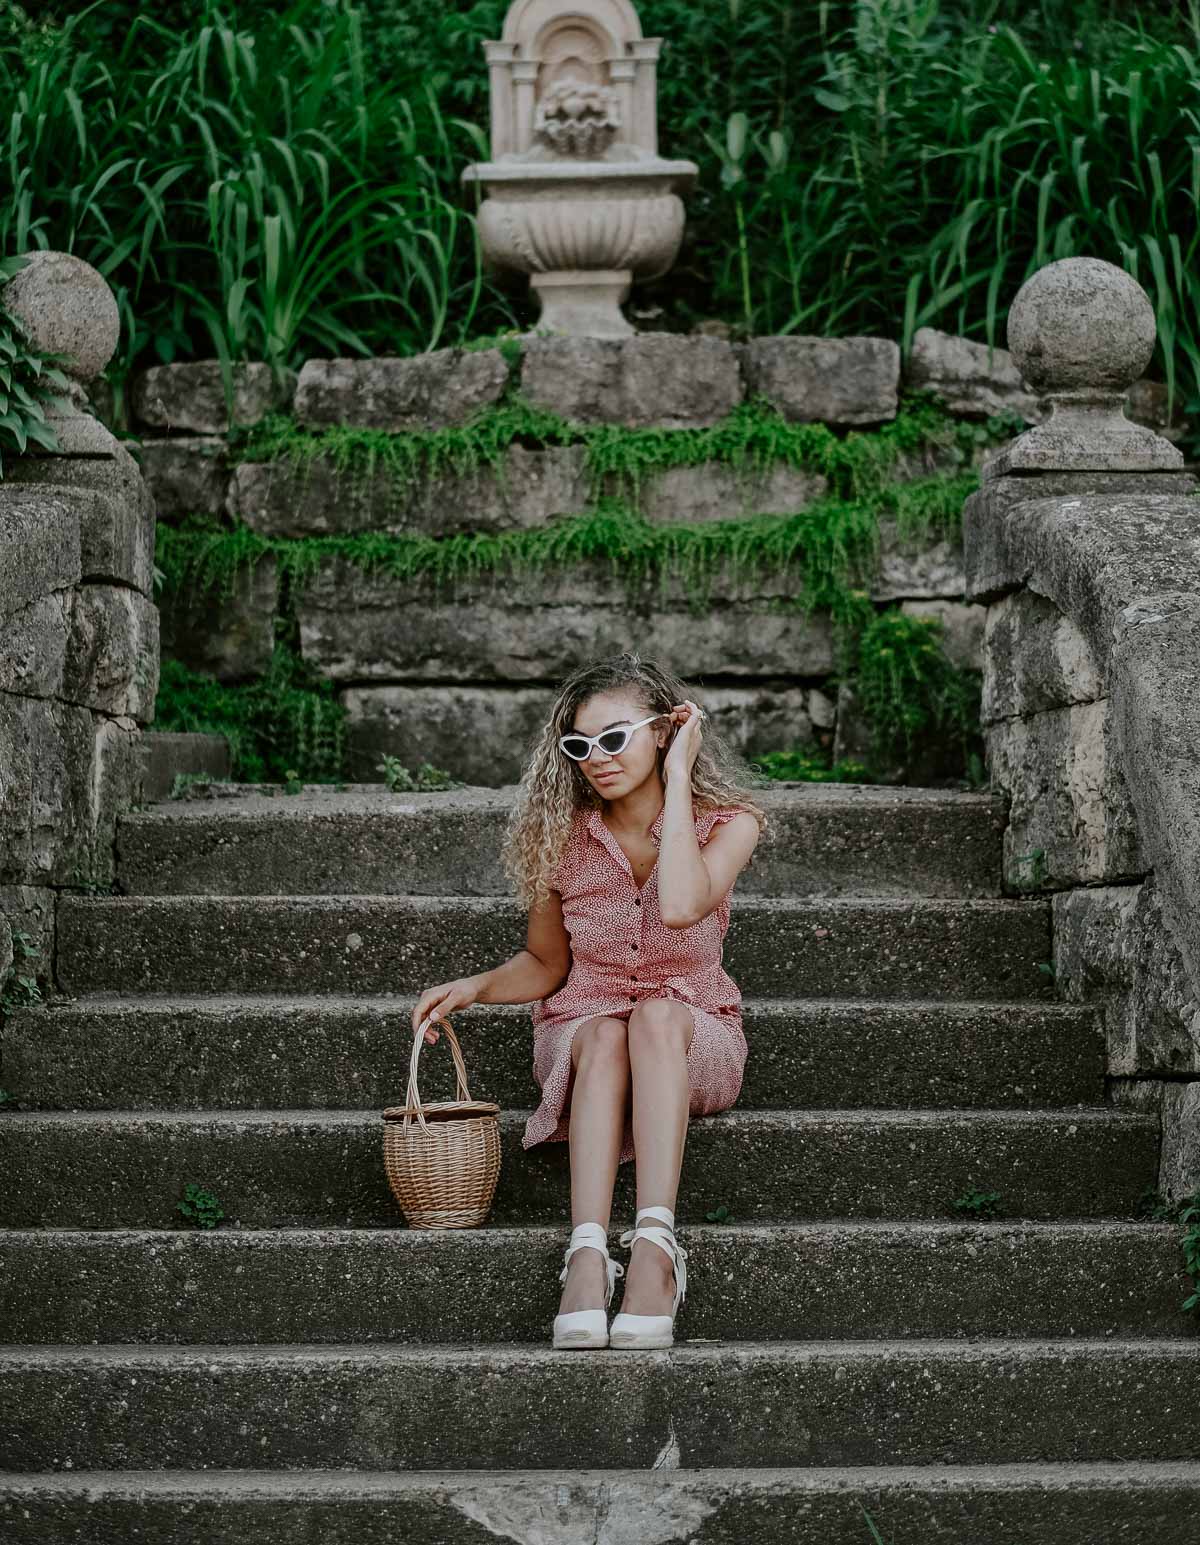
{"x":577,"y":195}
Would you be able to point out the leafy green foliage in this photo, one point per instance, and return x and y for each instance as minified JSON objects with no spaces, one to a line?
{"x":30,"y":382}
{"x":199,"y":1206}
{"x":719,"y":1214}
{"x":810,"y":764}
{"x":907,"y":687}
{"x":18,"y":989}
{"x":427,"y":777}
{"x":278,"y":182}
{"x":978,"y":1204}
{"x":287,"y":719}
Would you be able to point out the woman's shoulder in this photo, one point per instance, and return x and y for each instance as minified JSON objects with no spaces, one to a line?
{"x":717,"y":815}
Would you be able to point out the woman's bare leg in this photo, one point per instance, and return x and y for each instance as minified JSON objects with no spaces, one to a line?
{"x":599,"y":1098}
{"x":660,"y":1033}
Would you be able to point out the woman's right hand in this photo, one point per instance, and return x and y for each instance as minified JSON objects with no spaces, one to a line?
{"x":444,"y":999}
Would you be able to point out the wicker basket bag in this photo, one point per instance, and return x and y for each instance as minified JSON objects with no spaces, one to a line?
{"x":443,"y":1166}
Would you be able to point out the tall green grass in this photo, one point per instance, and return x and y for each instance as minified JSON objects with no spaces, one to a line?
{"x":249,"y":195}
{"x":270,"y":183}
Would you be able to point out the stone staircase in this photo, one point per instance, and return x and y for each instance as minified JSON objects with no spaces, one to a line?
{"x":314,"y":1370}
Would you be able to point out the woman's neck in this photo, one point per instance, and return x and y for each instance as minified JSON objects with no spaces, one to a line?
{"x":637,"y":811}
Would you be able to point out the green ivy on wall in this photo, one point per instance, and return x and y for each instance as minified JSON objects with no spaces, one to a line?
{"x":827,"y":551}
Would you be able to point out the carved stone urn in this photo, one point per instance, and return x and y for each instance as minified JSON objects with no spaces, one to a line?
{"x":577,"y":195}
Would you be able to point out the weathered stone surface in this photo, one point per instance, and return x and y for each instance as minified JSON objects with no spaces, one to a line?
{"x":33,"y":646}
{"x":186,"y":474}
{"x":231,"y":637}
{"x":1179,"y":1176}
{"x":962,"y":629}
{"x":39,"y":544}
{"x":916,"y":570}
{"x":70,"y":773}
{"x":1036,"y":659}
{"x":654,"y":380}
{"x":531,"y":488}
{"x":67,"y":308}
{"x":825,"y":380}
{"x":426,"y":391}
{"x":191,"y":396}
{"x":1147,"y":404}
{"x":1081,"y":323}
{"x":1082,"y":331}
{"x":167,"y":752}
{"x":6,"y":950}
{"x":355,"y":626}
{"x":1155,"y":672}
{"x":116,"y":511}
{"x":480,"y":732}
{"x":960,"y":372}
{"x":1091,"y":553}
{"x":1071,"y":821}
{"x":29,"y":910}
{"x":112,"y":652}
{"x":1113,"y":945}
{"x":713,"y":491}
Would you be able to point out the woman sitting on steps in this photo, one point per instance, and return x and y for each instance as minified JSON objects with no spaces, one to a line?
{"x":636,"y":1024}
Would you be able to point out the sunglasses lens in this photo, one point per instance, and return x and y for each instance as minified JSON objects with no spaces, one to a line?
{"x":613,"y":741}
{"x":575,"y":747}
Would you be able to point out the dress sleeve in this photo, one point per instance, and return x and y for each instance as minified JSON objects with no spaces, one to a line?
{"x":712,"y":818}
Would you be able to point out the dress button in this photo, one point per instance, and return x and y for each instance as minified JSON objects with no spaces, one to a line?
{"x":633,"y":997}
{"x":637,"y":901}
{"x":634,"y":946}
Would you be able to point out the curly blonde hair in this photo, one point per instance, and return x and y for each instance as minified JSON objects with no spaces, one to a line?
{"x":553,"y":787}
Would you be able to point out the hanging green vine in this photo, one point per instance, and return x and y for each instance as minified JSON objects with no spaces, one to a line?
{"x":752,"y":440}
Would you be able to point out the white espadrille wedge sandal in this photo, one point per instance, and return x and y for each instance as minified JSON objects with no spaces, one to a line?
{"x":652,"y":1330}
{"x":583,"y":1328}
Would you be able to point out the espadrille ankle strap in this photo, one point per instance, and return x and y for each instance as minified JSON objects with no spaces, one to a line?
{"x":665,"y":1239}
{"x":593,"y":1236}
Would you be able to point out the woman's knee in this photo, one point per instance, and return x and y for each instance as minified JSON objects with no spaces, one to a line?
{"x":603,"y":1039}
{"x":661,"y":1021}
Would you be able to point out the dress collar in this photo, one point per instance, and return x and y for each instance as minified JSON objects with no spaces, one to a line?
{"x":596,"y":825}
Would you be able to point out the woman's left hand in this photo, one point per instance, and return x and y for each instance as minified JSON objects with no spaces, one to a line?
{"x":684,"y":748}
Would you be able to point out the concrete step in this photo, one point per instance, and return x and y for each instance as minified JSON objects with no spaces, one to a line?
{"x":530,"y":1407}
{"x":985,"y":1504}
{"x":775,"y":947}
{"x":313,"y":1169}
{"x":236,"y":1052}
{"x":833,"y":840}
{"x":747,"y":1282}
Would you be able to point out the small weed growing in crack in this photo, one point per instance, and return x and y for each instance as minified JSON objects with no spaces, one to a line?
{"x":199,"y":1206}
{"x":719,"y":1214}
{"x":978,"y":1204}
{"x":427,"y":778}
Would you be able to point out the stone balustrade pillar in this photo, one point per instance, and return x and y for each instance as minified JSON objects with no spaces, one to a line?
{"x":79,"y":642}
{"x":1083,"y":543}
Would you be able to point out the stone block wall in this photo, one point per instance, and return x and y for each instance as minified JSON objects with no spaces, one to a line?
{"x":461,"y":677}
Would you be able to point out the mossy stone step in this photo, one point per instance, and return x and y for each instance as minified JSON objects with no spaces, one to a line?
{"x":775,"y":947}
{"x":831,"y":839}
{"x":728,"y":1405}
{"x":314,"y":1169}
{"x":280,"y":1052}
{"x":836,"y":1280}
{"x":936,"y":1504}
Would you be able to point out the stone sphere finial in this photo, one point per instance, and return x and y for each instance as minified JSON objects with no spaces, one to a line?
{"x":67,"y":308}
{"x":1081,"y":332}
{"x":1081,"y":324}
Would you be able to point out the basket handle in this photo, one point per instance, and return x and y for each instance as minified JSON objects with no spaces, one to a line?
{"x":413,"y":1098}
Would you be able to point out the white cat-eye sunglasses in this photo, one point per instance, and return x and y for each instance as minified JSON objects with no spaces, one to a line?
{"x":612,"y":742}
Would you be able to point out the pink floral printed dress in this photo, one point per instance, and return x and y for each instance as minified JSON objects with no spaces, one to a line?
{"x":623,"y":953}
